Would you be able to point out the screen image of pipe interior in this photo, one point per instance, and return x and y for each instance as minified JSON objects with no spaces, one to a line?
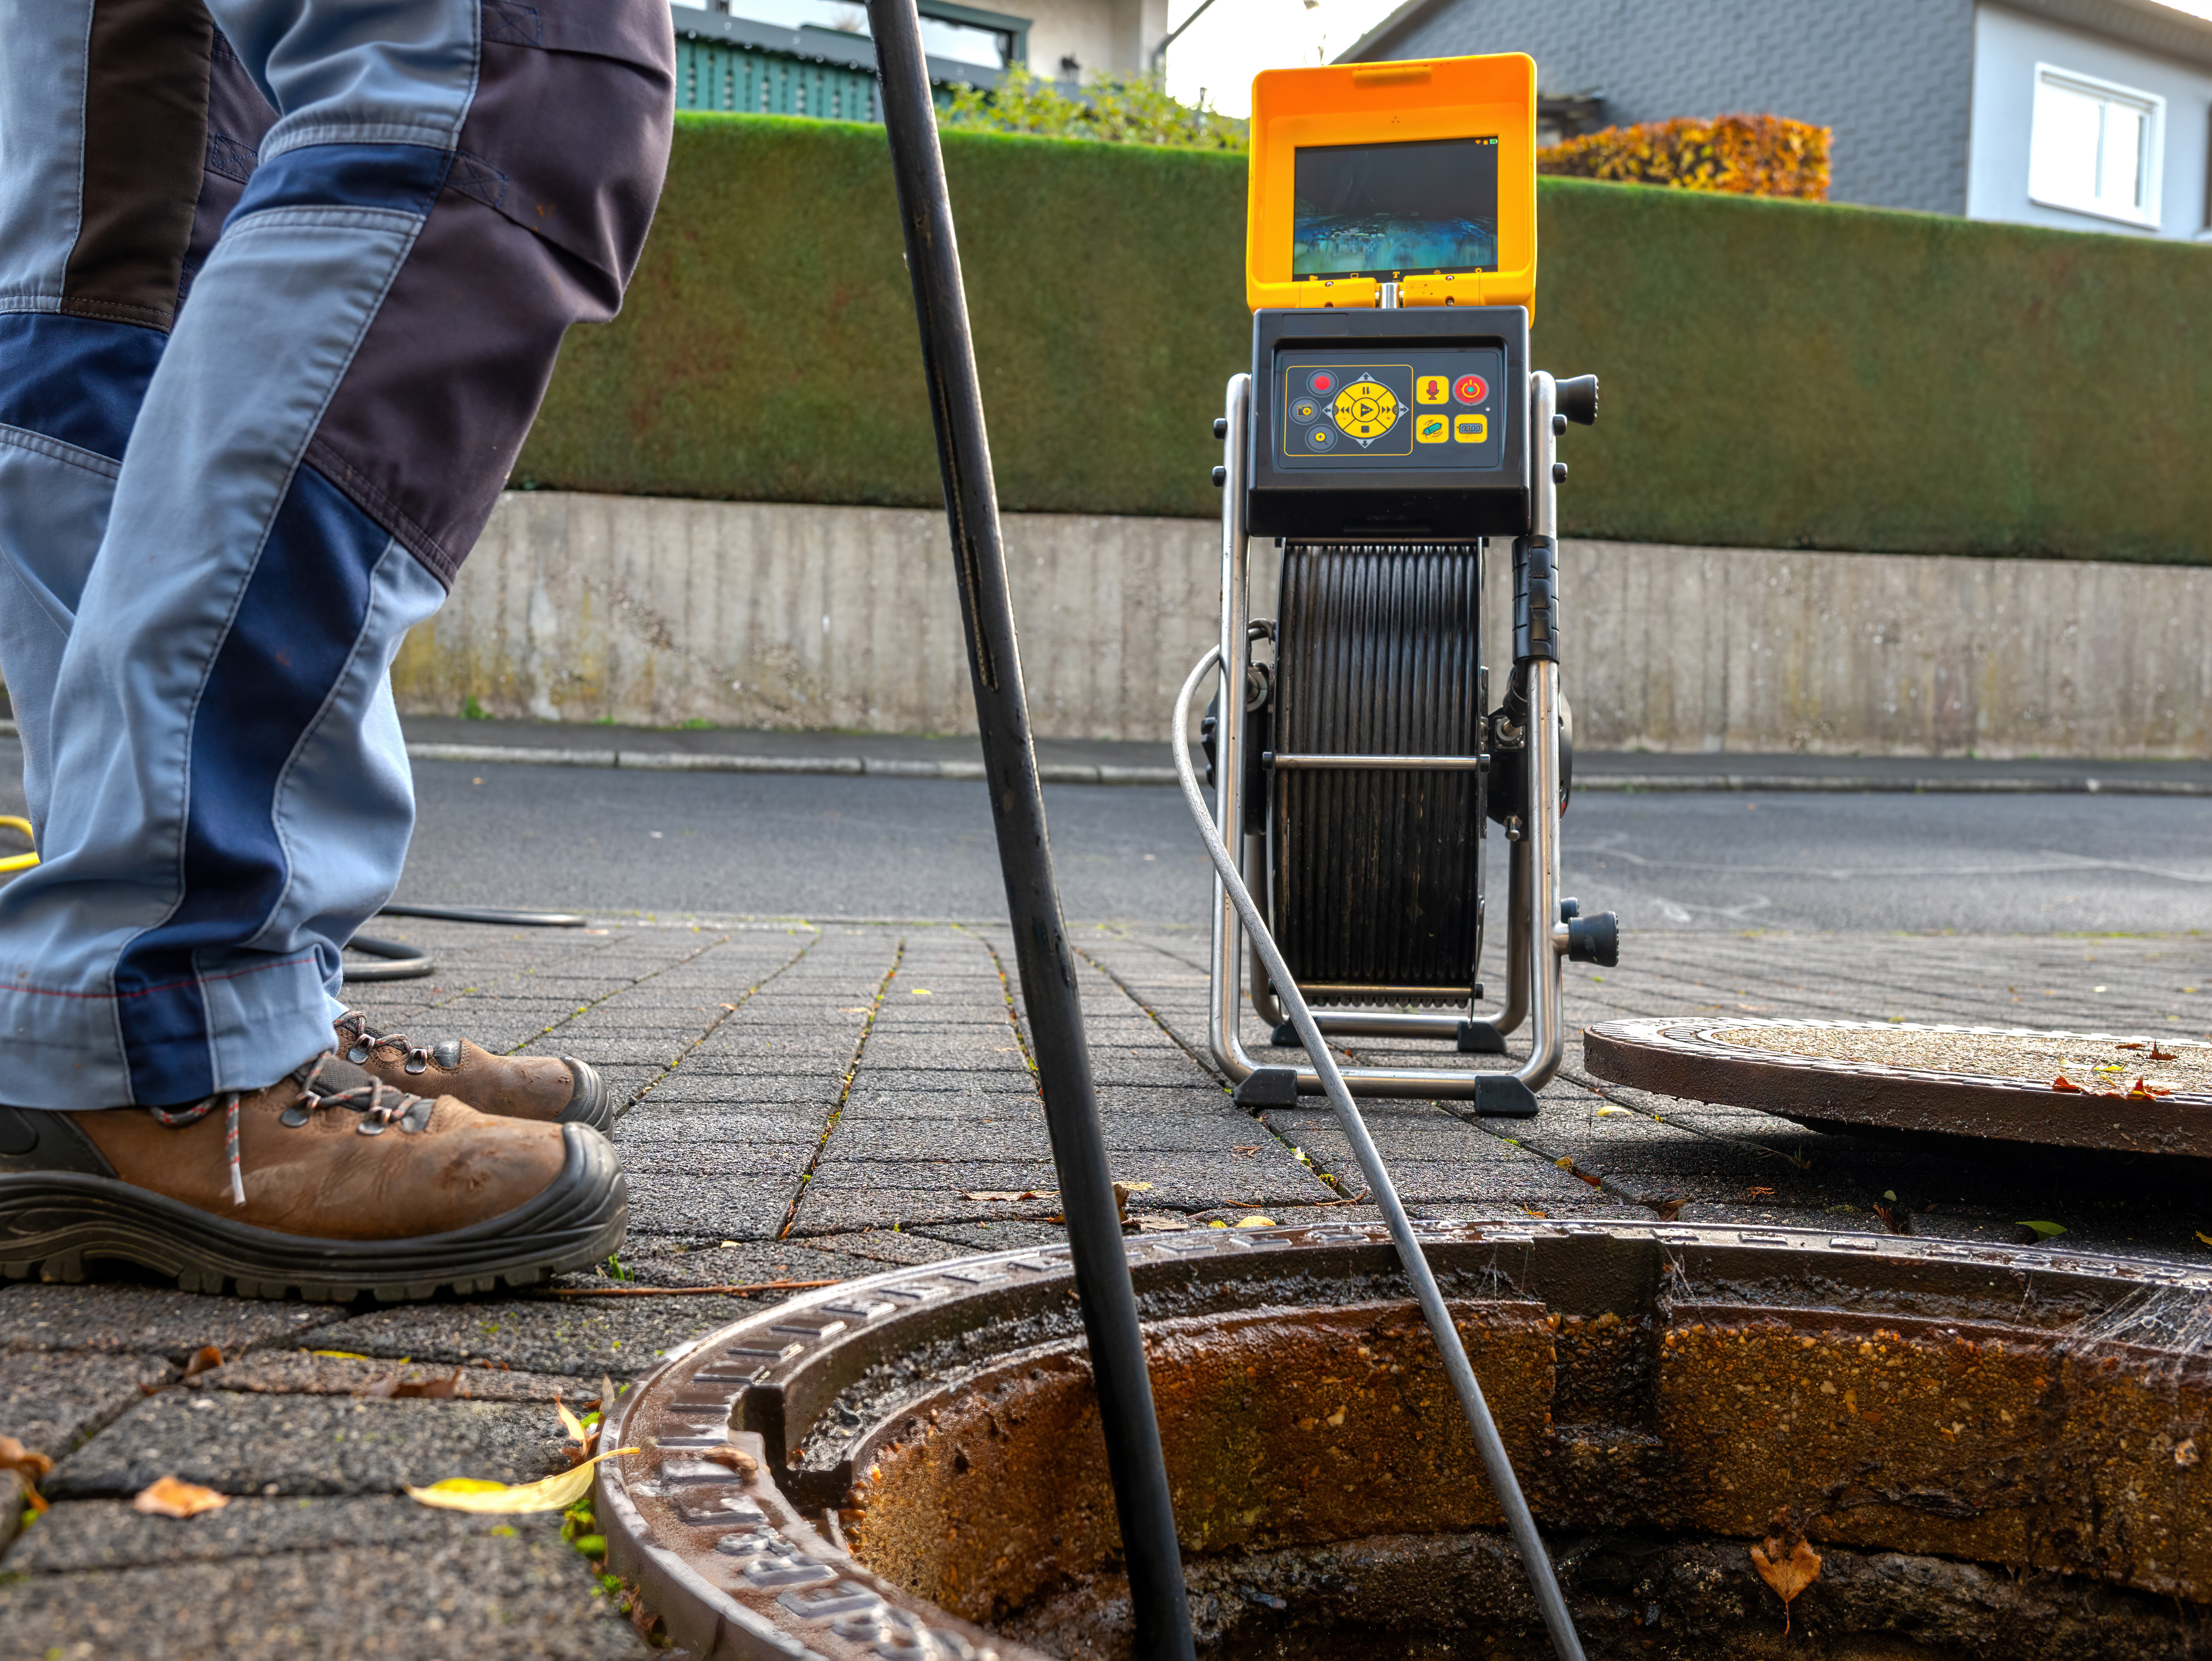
{"x":1381,"y":210}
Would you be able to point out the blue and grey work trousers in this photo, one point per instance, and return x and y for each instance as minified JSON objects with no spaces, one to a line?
{"x":282,"y":283}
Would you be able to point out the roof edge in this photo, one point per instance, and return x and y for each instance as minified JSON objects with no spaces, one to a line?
{"x":2143,"y":23}
{"x":1404,"y":16}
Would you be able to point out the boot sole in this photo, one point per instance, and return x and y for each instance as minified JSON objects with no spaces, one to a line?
{"x":53,"y":1223}
{"x":590,"y":1105}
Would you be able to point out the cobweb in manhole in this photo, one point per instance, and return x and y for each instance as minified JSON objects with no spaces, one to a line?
{"x":2172,"y":1323}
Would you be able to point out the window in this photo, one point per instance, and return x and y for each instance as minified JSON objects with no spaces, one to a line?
{"x":962,"y":34}
{"x":2095,"y":147}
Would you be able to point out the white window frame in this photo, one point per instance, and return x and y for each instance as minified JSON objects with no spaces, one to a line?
{"x":2153,"y":173}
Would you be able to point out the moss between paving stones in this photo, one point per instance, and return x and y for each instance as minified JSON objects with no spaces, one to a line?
{"x":1778,"y":374}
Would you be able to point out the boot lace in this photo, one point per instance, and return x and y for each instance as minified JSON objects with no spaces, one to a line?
{"x":365,"y":1040}
{"x":380,"y":1106}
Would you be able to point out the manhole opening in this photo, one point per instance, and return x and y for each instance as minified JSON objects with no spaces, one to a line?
{"x":1989,"y":1454}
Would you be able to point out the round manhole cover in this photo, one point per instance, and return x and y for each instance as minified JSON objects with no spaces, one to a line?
{"x":2141,"y":1092}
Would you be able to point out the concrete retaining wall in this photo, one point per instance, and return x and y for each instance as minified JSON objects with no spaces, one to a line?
{"x":657,"y":611}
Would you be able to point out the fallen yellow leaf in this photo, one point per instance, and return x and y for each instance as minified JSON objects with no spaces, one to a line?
{"x":170,"y":1498}
{"x":476,"y":1494}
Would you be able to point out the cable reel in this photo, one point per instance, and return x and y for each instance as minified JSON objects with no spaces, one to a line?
{"x":1393,"y":435}
{"x":1376,"y":877}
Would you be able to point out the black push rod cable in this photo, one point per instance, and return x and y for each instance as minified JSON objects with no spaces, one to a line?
{"x":1141,"y":1500}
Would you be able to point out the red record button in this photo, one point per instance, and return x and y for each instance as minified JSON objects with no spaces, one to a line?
{"x":1470,"y":389}
{"x":1322,"y":381}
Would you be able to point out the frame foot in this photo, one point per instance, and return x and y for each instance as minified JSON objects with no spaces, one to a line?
{"x":1504,"y":1096}
{"x":1480,"y":1038}
{"x":1275,"y":1087}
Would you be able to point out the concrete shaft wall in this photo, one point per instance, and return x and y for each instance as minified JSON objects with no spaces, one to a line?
{"x":657,"y":611}
{"x":1894,"y":78}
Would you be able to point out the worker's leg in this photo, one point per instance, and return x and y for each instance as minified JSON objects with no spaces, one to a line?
{"x":223,"y":792}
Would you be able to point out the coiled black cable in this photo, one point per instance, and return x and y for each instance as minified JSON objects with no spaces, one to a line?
{"x":1377,"y":874}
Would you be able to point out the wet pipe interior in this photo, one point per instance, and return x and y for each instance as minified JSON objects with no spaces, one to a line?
{"x":1989,"y":1452}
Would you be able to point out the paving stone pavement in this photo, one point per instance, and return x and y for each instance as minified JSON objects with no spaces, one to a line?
{"x":819,"y":1100}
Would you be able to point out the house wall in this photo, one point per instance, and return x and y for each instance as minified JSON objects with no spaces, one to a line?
{"x":1099,"y":34}
{"x":2007,"y":46}
{"x":1890,"y":77}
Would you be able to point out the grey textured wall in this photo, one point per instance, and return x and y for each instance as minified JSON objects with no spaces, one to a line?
{"x":1894,"y":78}
{"x":656,"y":609}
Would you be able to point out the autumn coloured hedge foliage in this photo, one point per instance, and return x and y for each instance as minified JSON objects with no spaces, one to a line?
{"x":1733,"y":155}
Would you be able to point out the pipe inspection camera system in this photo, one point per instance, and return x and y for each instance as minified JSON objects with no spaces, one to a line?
{"x":1391,"y":427}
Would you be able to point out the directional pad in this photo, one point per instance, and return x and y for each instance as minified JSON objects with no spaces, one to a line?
{"x":1366,"y":410}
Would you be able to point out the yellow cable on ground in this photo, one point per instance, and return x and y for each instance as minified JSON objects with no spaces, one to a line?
{"x":19,"y":862}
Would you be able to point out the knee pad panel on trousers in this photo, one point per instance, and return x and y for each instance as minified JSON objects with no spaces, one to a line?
{"x":538,"y":227}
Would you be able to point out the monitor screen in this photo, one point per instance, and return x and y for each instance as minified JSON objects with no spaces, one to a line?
{"x":1383,"y":210}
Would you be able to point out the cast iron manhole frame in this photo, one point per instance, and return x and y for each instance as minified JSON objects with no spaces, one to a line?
{"x":779,"y":1586}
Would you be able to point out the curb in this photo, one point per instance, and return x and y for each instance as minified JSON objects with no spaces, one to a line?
{"x":679,"y":761}
{"x":883,"y":767}
{"x":1779,"y":784}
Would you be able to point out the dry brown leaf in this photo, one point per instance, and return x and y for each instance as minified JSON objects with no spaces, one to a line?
{"x":569,"y":1422}
{"x":1122,"y":1191}
{"x":30,"y":1466}
{"x":1788,"y":1562}
{"x":168,"y":1497}
{"x":390,"y":1386}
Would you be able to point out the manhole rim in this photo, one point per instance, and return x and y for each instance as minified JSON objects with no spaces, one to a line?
{"x":787,"y":1622}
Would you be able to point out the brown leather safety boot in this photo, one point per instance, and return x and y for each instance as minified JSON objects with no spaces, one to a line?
{"x":329,"y":1183}
{"x":551,"y":1087}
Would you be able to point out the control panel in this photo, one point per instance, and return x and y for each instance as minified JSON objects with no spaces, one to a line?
{"x":1393,"y":424}
{"x":1435,"y":410}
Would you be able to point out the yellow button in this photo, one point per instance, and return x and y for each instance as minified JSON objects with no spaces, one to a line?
{"x":1431,"y":389}
{"x":1431,"y":428}
{"x":1365,"y":409}
{"x":1471,"y":428}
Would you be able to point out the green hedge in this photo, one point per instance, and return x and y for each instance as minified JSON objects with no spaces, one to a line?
{"x":1776,"y":373}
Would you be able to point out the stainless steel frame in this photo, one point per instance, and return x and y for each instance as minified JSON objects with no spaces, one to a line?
{"x":1536,"y":937}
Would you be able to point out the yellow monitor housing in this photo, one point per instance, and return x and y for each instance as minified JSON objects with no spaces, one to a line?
{"x":1420,"y":173}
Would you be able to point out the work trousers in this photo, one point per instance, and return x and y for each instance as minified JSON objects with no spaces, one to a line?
{"x":282,"y":283}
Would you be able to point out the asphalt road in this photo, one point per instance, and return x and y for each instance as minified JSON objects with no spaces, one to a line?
{"x":884,"y":847}
{"x":828,"y":846}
